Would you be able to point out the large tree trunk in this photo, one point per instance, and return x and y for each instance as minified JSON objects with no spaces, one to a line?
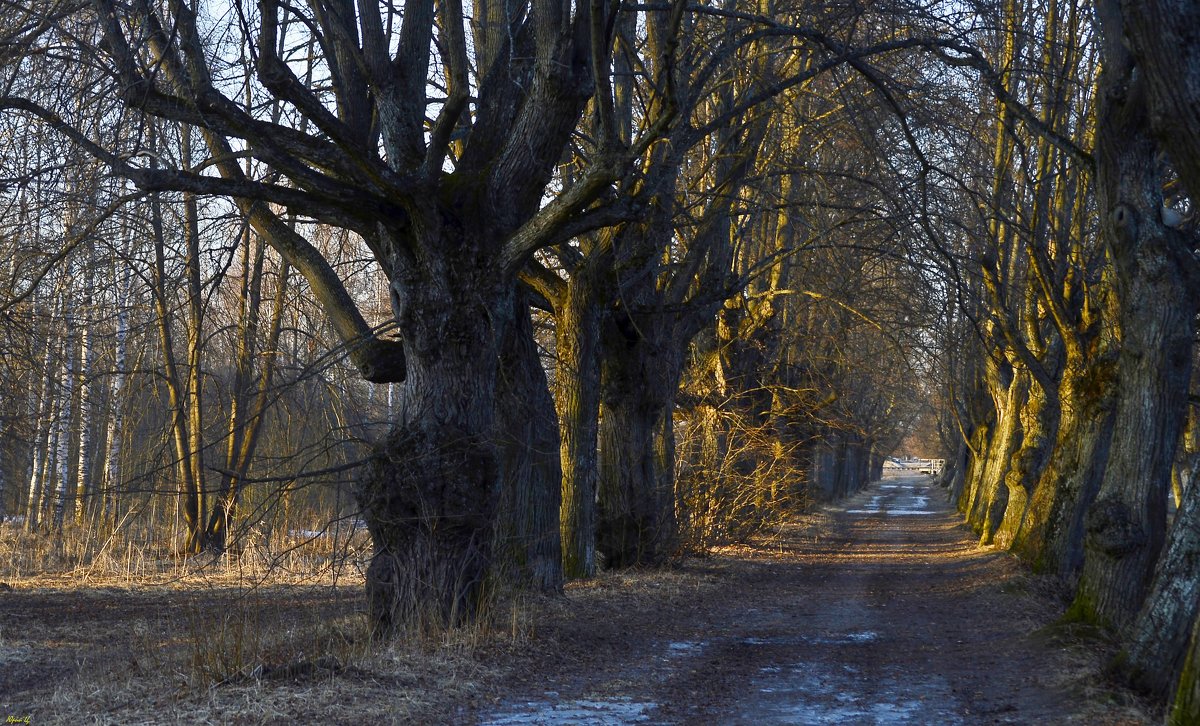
{"x":1155,"y":278}
{"x":991,"y":497}
{"x":428,"y":494}
{"x":1125,"y":525}
{"x":973,"y":461}
{"x":527,"y":433}
{"x":1051,"y":535}
{"x":1039,"y":419}
{"x":577,"y":397}
{"x":1157,"y":641}
{"x":640,"y":377}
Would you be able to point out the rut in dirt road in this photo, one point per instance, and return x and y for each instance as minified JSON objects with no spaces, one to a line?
{"x":893,"y":616}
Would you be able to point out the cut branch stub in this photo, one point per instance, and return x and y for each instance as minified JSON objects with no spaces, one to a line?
{"x":380,"y":360}
{"x":1125,"y":224}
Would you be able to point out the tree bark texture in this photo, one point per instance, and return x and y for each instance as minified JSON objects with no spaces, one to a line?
{"x":1155,"y":273}
{"x":1165,"y":37}
{"x":531,"y":473}
{"x":1185,"y":708}
{"x":990,"y":496}
{"x":640,"y":376}
{"x":577,"y":397}
{"x":429,"y":493}
{"x":1051,"y":535}
{"x":1157,"y":641}
{"x":1039,"y":417}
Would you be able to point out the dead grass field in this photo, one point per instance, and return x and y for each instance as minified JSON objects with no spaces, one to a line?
{"x":282,"y":638}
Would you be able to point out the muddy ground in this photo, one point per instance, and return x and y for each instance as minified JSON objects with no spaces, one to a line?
{"x":879,"y":610}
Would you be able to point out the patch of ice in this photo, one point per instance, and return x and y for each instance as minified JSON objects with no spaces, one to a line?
{"x":811,"y":692}
{"x":685,"y":647}
{"x":889,"y":512}
{"x":307,"y":533}
{"x":595,"y":712}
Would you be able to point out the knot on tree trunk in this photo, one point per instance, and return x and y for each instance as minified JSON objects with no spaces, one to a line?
{"x":1125,"y":224}
{"x":1111,"y":529}
{"x":380,"y":360}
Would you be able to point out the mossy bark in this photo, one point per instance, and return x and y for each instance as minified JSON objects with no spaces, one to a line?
{"x":1156,"y":274}
{"x":1185,"y":710}
{"x":1039,"y":419}
{"x":1050,"y":537}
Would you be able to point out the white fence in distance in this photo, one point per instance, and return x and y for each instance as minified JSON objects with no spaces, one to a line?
{"x":932,"y":467}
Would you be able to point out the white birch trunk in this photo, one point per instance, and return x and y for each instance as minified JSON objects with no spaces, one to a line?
{"x":42,"y":410}
{"x":112,"y":469}
{"x":63,"y":430}
{"x":83,"y":479}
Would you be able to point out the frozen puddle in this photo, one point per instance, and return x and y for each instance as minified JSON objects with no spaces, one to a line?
{"x":890,"y":512}
{"x":812,"y":693}
{"x":595,"y":712}
{"x":863,"y":636}
{"x":684,"y":648}
{"x":901,"y":506}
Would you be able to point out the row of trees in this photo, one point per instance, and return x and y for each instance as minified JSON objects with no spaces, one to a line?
{"x":1069,"y":405}
{"x":651,"y":271}
{"x":642,"y":271}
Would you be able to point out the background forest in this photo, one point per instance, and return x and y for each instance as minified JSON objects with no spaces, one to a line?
{"x":488,"y":298}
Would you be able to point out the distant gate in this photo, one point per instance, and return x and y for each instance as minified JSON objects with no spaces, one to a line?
{"x":932,"y":467}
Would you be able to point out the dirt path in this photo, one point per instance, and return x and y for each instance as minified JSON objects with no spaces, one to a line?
{"x":880,"y":610}
{"x":892,"y":616}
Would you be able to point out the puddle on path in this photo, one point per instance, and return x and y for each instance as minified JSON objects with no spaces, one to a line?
{"x":890,"y":512}
{"x":901,"y":506}
{"x":812,"y":693}
{"x":591,"y":711}
{"x":862,"y":636}
{"x":685,"y":648}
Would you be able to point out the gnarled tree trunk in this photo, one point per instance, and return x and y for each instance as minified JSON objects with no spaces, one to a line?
{"x":1158,"y":638}
{"x":1051,"y":535}
{"x":1039,"y":418}
{"x":991,"y":497}
{"x":429,"y":492}
{"x":1155,"y":274}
